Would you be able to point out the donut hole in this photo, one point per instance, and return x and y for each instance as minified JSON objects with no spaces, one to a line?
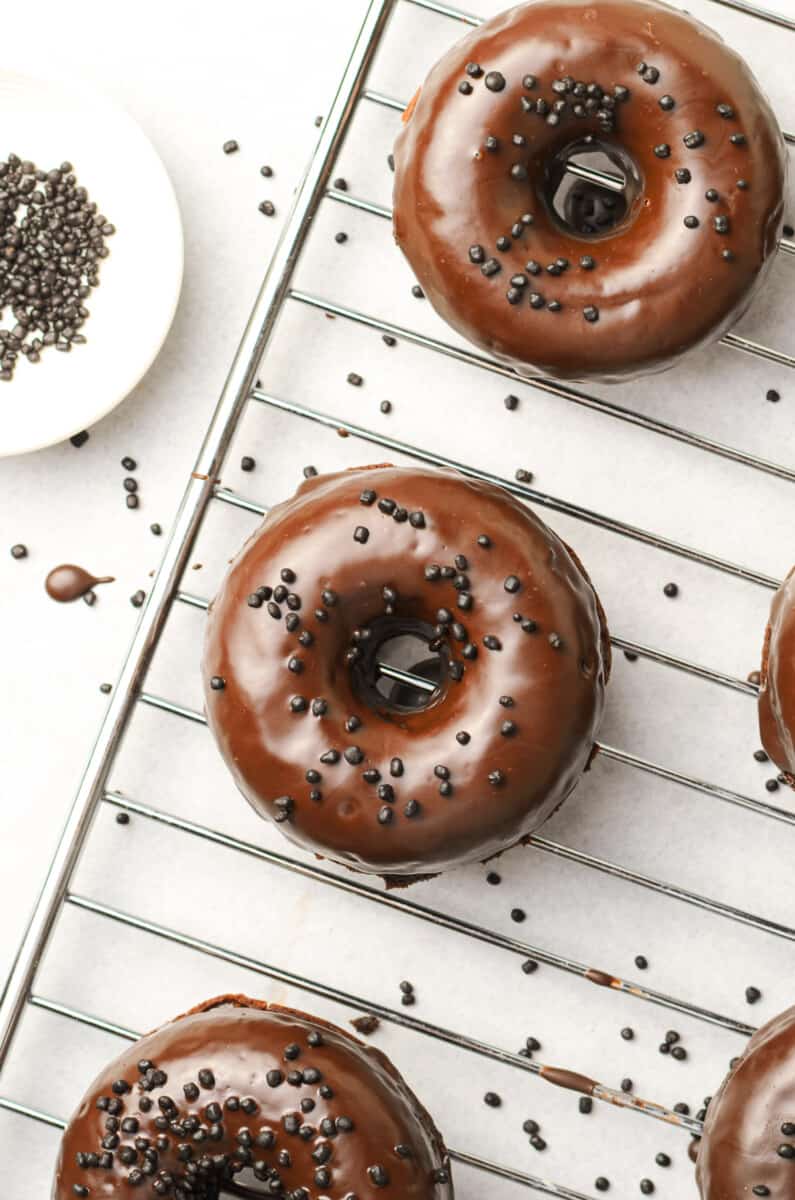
{"x":590,"y":188}
{"x":403,"y":668}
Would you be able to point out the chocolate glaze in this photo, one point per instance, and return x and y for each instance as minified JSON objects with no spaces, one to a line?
{"x":600,"y":977}
{"x":239,"y":1041}
{"x":660,"y":288}
{"x":777,"y":680}
{"x":551,"y":694}
{"x":68,"y":582}
{"x":569,"y":1079}
{"x":742,"y":1130}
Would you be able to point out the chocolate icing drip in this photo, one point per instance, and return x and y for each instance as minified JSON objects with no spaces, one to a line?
{"x":239,"y":1085}
{"x":601,"y":978}
{"x":68,"y":582}
{"x":569,"y":1079}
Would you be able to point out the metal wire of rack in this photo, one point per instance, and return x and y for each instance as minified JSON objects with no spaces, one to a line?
{"x":204,"y":491}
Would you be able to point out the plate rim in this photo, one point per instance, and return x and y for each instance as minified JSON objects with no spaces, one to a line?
{"x":59,"y":84}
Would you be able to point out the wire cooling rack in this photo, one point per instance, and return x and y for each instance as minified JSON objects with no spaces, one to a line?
{"x":653,"y":899}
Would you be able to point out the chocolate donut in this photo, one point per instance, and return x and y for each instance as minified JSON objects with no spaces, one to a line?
{"x":552,"y":273}
{"x":461,"y":583}
{"x":777,"y":681}
{"x":748,"y":1147}
{"x":238,"y":1085}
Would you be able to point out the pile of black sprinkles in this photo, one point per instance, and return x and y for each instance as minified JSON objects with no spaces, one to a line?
{"x":53,"y":241}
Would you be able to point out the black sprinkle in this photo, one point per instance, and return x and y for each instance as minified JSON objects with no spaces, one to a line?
{"x":494,"y":81}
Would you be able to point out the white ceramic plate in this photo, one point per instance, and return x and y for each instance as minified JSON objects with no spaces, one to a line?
{"x":140,"y":280}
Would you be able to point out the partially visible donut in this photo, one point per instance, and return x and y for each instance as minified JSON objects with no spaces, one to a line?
{"x":239,"y":1085}
{"x":462,"y":571}
{"x":610,"y":287}
{"x":777,"y":681}
{"x":748,"y":1147}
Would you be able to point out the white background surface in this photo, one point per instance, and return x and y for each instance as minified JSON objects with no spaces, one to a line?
{"x":255,"y":73}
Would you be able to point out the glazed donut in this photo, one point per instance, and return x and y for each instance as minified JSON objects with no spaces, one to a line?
{"x":493,"y":611}
{"x":236,"y":1085}
{"x":748,"y":1145}
{"x":552,"y":273}
{"x":777,"y":681}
